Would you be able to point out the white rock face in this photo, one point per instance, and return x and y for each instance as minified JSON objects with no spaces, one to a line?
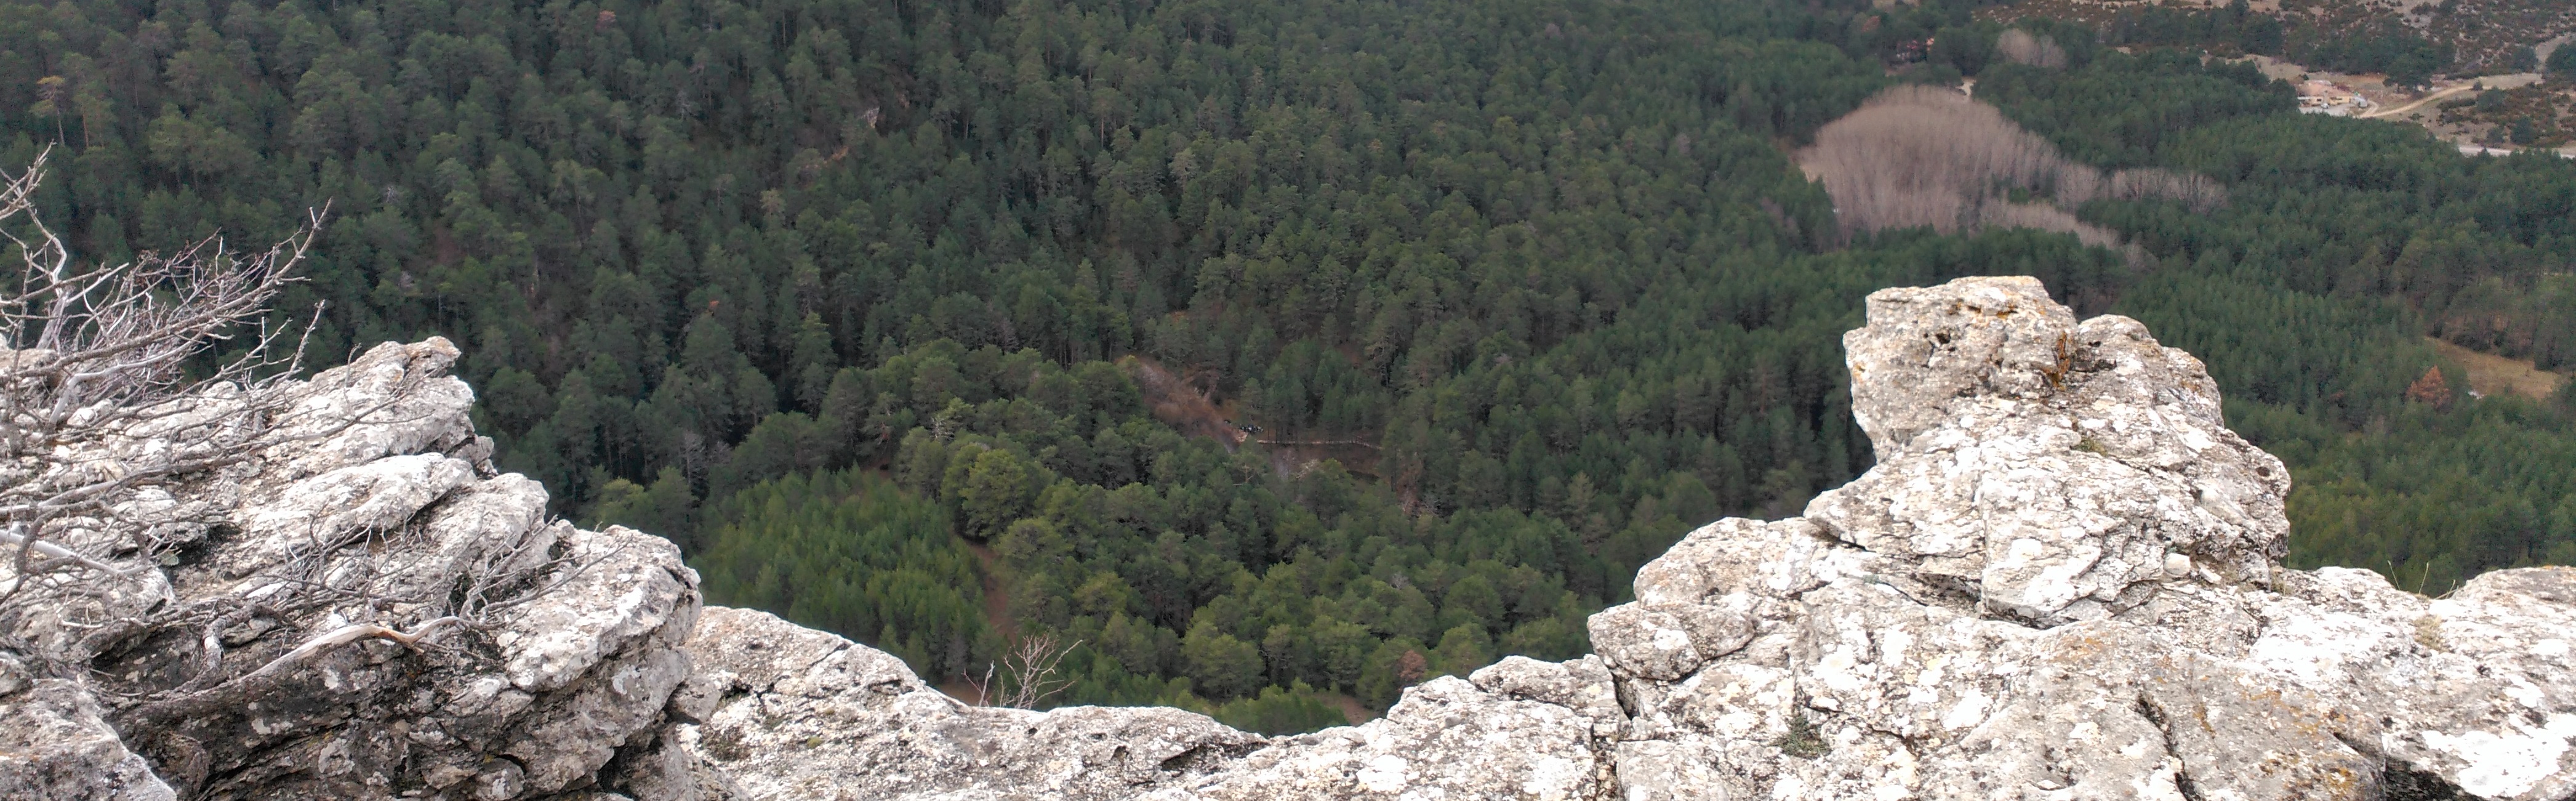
{"x":2060,"y":583}
{"x":789,"y":712}
{"x":2051,"y":465}
{"x":385,"y":522}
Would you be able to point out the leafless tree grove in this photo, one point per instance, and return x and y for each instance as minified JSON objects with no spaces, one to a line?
{"x":1925,"y":156}
{"x":2020,"y":47}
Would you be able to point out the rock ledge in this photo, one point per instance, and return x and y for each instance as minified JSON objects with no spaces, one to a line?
{"x":2061,"y":581}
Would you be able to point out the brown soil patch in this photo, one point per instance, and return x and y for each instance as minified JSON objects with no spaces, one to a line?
{"x":997,"y":614}
{"x":1179,"y":404}
{"x":2491,"y":374}
{"x":1352,"y":710}
{"x":958,"y":688}
{"x":997,"y":595}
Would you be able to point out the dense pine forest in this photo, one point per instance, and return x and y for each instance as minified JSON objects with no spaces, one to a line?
{"x":1280,"y":354}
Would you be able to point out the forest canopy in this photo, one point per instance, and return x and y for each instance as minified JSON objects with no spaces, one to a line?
{"x":1281,"y":354}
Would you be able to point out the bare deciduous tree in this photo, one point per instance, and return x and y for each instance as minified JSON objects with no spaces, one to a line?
{"x":1026,"y":674}
{"x":1918,"y":156}
{"x":2198,"y":192}
{"x":2020,"y":47}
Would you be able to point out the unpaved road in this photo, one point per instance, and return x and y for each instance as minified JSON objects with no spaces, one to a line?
{"x":2412,"y":106}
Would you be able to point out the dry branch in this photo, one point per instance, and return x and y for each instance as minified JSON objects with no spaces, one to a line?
{"x":105,"y":389}
{"x":1026,"y":675}
{"x":258,"y":682}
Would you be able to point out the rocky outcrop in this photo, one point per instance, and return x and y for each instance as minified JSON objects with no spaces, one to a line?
{"x":56,"y":746}
{"x":262,"y":655}
{"x":790,"y":712}
{"x":2061,"y":581}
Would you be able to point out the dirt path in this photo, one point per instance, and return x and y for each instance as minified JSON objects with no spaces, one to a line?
{"x":1179,"y":403}
{"x":2412,"y":106}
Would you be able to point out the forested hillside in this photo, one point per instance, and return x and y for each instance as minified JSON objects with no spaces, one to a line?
{"x":884,"y":310}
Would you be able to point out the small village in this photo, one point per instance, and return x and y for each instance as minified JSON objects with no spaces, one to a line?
{"x":2483,"y":90}
{"x":2488,"y":115}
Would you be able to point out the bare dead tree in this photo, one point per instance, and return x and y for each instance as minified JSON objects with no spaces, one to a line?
{"x":1922,"y":156}
{"x":1026,"y":675}
{"x":105,"y":400}
{"x":96,"y":399}
{"x":106,"y":394}
{"x":123,"y":387}
{"x":2200,"y":193}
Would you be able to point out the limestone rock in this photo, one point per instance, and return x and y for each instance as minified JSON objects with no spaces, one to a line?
{"x":2474,"y":687}
{"x":2083,"y":464}
{"x":312,"y":514}
{"x":800,"y":714}
{"x":803,"y":714}
{"x":1583,"y":685}
{"x":1645,"y":641}
{"x":395,"y":399}
{"x":1927,"y":352}
{"x":1447,"y":738}
{"x":56,"y":747}
{"x":640,"y":594}
{"x":2061,"y":581}
{"x":386,"y":516}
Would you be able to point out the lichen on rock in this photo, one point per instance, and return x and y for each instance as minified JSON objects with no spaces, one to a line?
{"x":2060,"y":581}
{"x":253,"y":661}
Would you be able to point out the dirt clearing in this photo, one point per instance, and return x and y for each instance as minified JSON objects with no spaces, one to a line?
{"x":1181,"y":402}
{"x":2490,"y":374}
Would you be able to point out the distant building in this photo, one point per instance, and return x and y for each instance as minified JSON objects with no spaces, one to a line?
{"x":2326,"y":97}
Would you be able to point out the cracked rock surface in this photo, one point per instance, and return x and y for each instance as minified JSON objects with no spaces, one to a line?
{"x":560,"y":687}
{"x":2061,"y":582}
